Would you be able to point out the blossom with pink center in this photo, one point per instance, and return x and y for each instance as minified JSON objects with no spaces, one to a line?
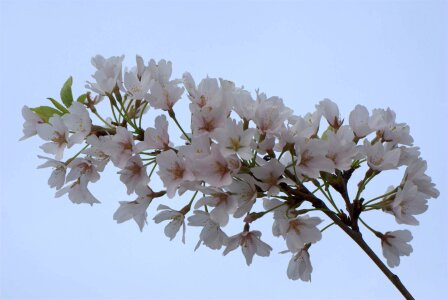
{"x":120,"y":147}
{"x":250,"y":243}
{"x":301,"y":230}
{"x":134,"y":174}
{"x":311,"y":157}
{"x":214,"y":169}
{"x":83,"y":167}
{"x":57,"y":133}
{"x":173,"y":171}
{"x":233,"y":139}
{"x":223,"y":204}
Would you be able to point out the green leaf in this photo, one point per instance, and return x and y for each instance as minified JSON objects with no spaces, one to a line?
{"x":46,"y":112}
{"x":66,"y":92}
{"x":82,"y":98}
{"x":58,"y":105}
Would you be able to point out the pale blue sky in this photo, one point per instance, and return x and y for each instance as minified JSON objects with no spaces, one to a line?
{"x":376,"y":53}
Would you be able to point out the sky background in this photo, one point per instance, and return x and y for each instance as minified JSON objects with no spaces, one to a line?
{"x":376,"y":53}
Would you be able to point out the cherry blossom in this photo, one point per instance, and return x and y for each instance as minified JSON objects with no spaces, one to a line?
{"x":395,"y":244}
{"x":57,"y":177}
{"x":31,"y":122}
{"x":359,"y":121}
{"x":78,"y":192}
{"x":135,"y":209}
{"x":134,"y":174}
{"x":250,"y":243}
{"x":57,"y":133}
{"x":173,"y":171}
{"x":108,"y":74}
{"x":299,"y":266}
{"x":177,"y":219}
{"x":120,"y":147}
{"x":238,"y":156}
{"x":379,"y":158}
{"x":77,"y":121}
{"x":156,"y":138}
{"x":330,"y":111}
{"x":211,"y":234}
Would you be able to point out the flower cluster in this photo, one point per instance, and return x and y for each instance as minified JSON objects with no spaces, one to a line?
{"x":242,"y":155}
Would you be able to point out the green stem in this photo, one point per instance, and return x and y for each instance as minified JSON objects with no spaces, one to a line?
{"x":173,"y":116}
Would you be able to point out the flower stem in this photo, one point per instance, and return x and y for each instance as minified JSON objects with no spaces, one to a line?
{"x":357,"y":237}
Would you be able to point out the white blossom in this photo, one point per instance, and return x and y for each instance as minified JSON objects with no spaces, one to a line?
{"x":78,"y":192}
{"x":311,"y":157}
{"x":134,"y":174}
{"x":135,"y":209}
{"x":78,"y":121}
{"x":270,"y":176}
{"x":245,"y":191}
{"x":137,"y":81}
{"x":407,"y":203}
{"x":83,"y":167}
{"x":57,"y":133}
{"x":300,"y":231}
{"x":57,"y":177}
{"x":330,"y":111}
{"x":379,"y":158}
{"x":415,"y":173}
{"x":164,"y":93}
{"x":341,"y":148}
{"x":395,"y":244}
{"x":270,"y":114}
{"x":173,"y":171}
{"x":156,"y":138}
{"x":108,"y":74}
{"x":250,"y":243}
{"x":214,"y":169}
{"x":31,"y":122}
{"x":233,"y":139}
{"x":211,"y":234}
{"x":223,"y":204}
{"x":299,"y":266}
{"x":120,"y":147}
{"x":177,"y":219}
{"x":359,"y":121}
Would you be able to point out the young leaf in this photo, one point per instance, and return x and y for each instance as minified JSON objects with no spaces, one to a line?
{"x":66,"y":92}
{"x":58,"y":105}
{"x":82,"y":98}
{"x":46,"y":112}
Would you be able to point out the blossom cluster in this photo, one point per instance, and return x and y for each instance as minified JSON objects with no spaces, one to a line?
{"x":242,"y":156}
